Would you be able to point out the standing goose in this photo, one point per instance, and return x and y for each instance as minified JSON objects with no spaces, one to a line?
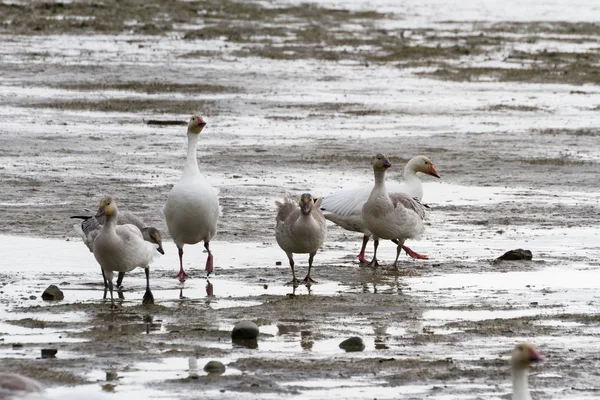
{"x":522,"y":357}
{"x":192,"y":207}
{"x":122,"y":248}
{"x":396,"y":217}
{"x":300,"y":230}
{"x":91,"y":225}
{"x":344,"y":208}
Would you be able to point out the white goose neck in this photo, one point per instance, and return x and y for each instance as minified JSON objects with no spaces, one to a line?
{"x":191,"y":164}
{"x":520,"y":384}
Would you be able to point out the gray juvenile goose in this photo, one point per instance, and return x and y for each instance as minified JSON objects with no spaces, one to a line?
{"x":396,"y":217}
{"x":300,"y":229}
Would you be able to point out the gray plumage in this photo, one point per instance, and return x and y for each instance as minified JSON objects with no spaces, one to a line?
{"x":300,"y":228}
{"x":396,"y":217}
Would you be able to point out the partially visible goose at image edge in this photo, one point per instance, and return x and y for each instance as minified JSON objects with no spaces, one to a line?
{"x":122,"y":248}
{"x":300,"y":228}
{"x":13,"y":386}
{"x":90,"y":227}
{"x":522,"y":356}
{"x":396,"y":217}
{"x":192,"y":207}
{"x":344,"y":208}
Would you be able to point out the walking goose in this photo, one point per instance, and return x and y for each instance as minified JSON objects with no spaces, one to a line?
{"x":396,"y":217}
{"x":192,"y":207}
{"x":122,"y":248}
{"x":90,"y":227}
{"x":344,"y":208}
{"x":300,"y":230}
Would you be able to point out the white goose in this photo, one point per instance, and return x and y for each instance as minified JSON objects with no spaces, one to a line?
{"x":300,"y":228}
{"x":122,"y":248}
{"x":522,"y":357}
{"x":192,"y":207}
{"x":91,"y":225}
{"x":396,"y":217}
{"x":344,"y":208}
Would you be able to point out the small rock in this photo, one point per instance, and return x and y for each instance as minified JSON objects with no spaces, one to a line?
{"x":52,"y":292}
{"x":245,"y":330}
{"x":111,"y":375}
{"x":49,"y":353}
{"x":214,"y":367}
{"x":109,"y":387}
{"x":353,"y":344}
{"x":32,"y":297}
{"x":265,"y":286}
{"x":277,"y":262}
{"x":17,"y":345}
{"x":518,"y":254}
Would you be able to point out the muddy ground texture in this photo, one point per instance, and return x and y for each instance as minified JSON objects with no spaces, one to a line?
{"x":76,"y":127}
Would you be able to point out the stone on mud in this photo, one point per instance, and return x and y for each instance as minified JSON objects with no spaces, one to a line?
{"x":245,"y":330}
{"x":517,"y":254}
{"x":49,"y":353}
{"x":52,"y":292}
{"x":214,"y":367}
{"x":353,"y":344}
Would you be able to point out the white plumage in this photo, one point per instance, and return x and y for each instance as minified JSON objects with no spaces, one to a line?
{"x":122,"y":248}
{"x":192,"y":207}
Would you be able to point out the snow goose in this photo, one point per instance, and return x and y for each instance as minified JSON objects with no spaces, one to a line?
{"x":122,"y":248}
{"x":13,"y":386}
{"x":522,"y":357}
{"x":396,"y":217}
{"x":90,"y":227}
{"x":300,"y":230}
{"x":344,"y":208}
{"x":192,"y":207}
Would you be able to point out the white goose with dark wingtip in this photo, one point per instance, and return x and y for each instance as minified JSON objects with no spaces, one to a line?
{"x":395,"y":217}
{"x":192,"y":207}
{"x":344,"y":208}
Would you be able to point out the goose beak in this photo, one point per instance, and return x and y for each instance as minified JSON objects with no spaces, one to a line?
{"x":386,"y":164}
{"x":202,"y":124}
{"x":160,"y":249}
{"x":433,"y":172}
{"x":306,"y":208}
{"x":534,"y":356}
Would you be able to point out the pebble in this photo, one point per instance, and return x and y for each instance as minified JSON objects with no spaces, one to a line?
{"x":214,"y":367}
{"x":111,"y":375}
{"x":49,"y":353}
{"x":353,"y":344}
{"x":245,"y":330}
{"x":517,"y":254}
{"x":52,"y":292}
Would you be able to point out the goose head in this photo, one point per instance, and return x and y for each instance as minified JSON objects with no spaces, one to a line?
{"x":381,"y":162}
{"x":523,"y":355}
{"x":196,"y":124}
{"x":306,"y":203}
{"x":422,"y":164}
{"x":109,"y":206}
{"x":155,"y":237}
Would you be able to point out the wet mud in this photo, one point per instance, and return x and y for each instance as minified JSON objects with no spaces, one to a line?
{"x":299,"y":97}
